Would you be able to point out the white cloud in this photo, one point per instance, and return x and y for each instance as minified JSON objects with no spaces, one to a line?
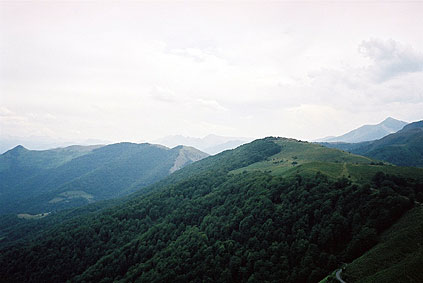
{"x":144,"y":70}
{"x":391,"y":58}
{"x":211,"y":104}
{"x":163,"y":94}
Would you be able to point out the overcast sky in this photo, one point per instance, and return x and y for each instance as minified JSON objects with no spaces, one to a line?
{"x":138,"y":71}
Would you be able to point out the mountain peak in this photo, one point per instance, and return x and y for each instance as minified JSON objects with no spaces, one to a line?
{"x":389,"y":119}
{"x":18,"y":148}
{"x":370,"y":132}
{"x":392,"y":122}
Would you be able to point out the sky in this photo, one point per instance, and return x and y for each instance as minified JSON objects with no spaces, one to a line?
{"x":138,"y":71}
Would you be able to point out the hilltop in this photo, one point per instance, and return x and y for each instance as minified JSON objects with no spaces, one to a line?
{"x":304,"y":158}
{"x":249,"y":214}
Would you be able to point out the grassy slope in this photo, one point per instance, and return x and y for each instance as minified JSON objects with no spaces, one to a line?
{"x":308,"y":158}
{"x":397,"y":258}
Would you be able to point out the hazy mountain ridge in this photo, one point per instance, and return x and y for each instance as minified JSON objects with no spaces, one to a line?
{"x":78,"y":175}
{"x":368,"y":132}
{"x":44,"y":158}
{"x":404,"y":148}
{"x":211,"y":144}
{"x":40,"y":143}
{"x":20,"y":164}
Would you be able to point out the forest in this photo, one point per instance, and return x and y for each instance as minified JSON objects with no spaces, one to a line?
{"x":206,"y":224}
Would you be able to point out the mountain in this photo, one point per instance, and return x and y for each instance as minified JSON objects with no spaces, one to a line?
{"x":211,"y":144}
{"x":404,"y":148}
{"x":42,"y":181}
{"x":368,"y":132}
{"x":273,"y":210}
{"x":42,"y":142}
{"x":20,"y":164}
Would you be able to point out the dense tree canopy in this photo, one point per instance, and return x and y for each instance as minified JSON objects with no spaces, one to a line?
{"x":206,"y":224}
{"x":244,"y":227}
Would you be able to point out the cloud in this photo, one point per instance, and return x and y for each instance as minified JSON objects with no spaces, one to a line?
{"x":12,"y":123}
{"x":391,"y":58}
{"x":163,"y":94}
{"x":197,"y":54}
{"x":211,"y":104}
{"x":140,"y":71}
{"x":4,"y":112}
{"x":394,"y":75}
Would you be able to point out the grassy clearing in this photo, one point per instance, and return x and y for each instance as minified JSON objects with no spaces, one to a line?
{"x":69,"y":195}
{"x":296,"y":153}
{"x":307,"y":159}
{"x":32,"y":216}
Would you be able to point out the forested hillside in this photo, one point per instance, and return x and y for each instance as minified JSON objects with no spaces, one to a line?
{"x":227,"y":218}
{"x":43,"y":181}
{"x":397,"y":258}
{"x":404,"y":148}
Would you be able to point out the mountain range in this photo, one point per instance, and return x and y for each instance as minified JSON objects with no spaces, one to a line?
{"x":43,"y":142}
{"x":368,"y":132}
{"x":272,"y":210}
{"x":404,"y":148}
{"x":211,"y":144}
{"x":43,"y":181}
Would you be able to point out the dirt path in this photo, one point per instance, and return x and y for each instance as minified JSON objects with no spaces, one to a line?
{"x":338,"y":276}
{"x":345,"y":172}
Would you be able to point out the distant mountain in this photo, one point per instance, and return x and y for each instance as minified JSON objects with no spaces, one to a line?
{"x":20,"y":164}
{"x":42,"y":143}
{"x":369,"y":132}
{"x":211,"y":144}
{"x":274,"y":210}
{"x":42,"y":181}
{"x":404,"y":148}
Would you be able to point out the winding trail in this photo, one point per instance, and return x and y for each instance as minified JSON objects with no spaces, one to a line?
{"x":338,"y":276}
{"x":344,"y":172}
